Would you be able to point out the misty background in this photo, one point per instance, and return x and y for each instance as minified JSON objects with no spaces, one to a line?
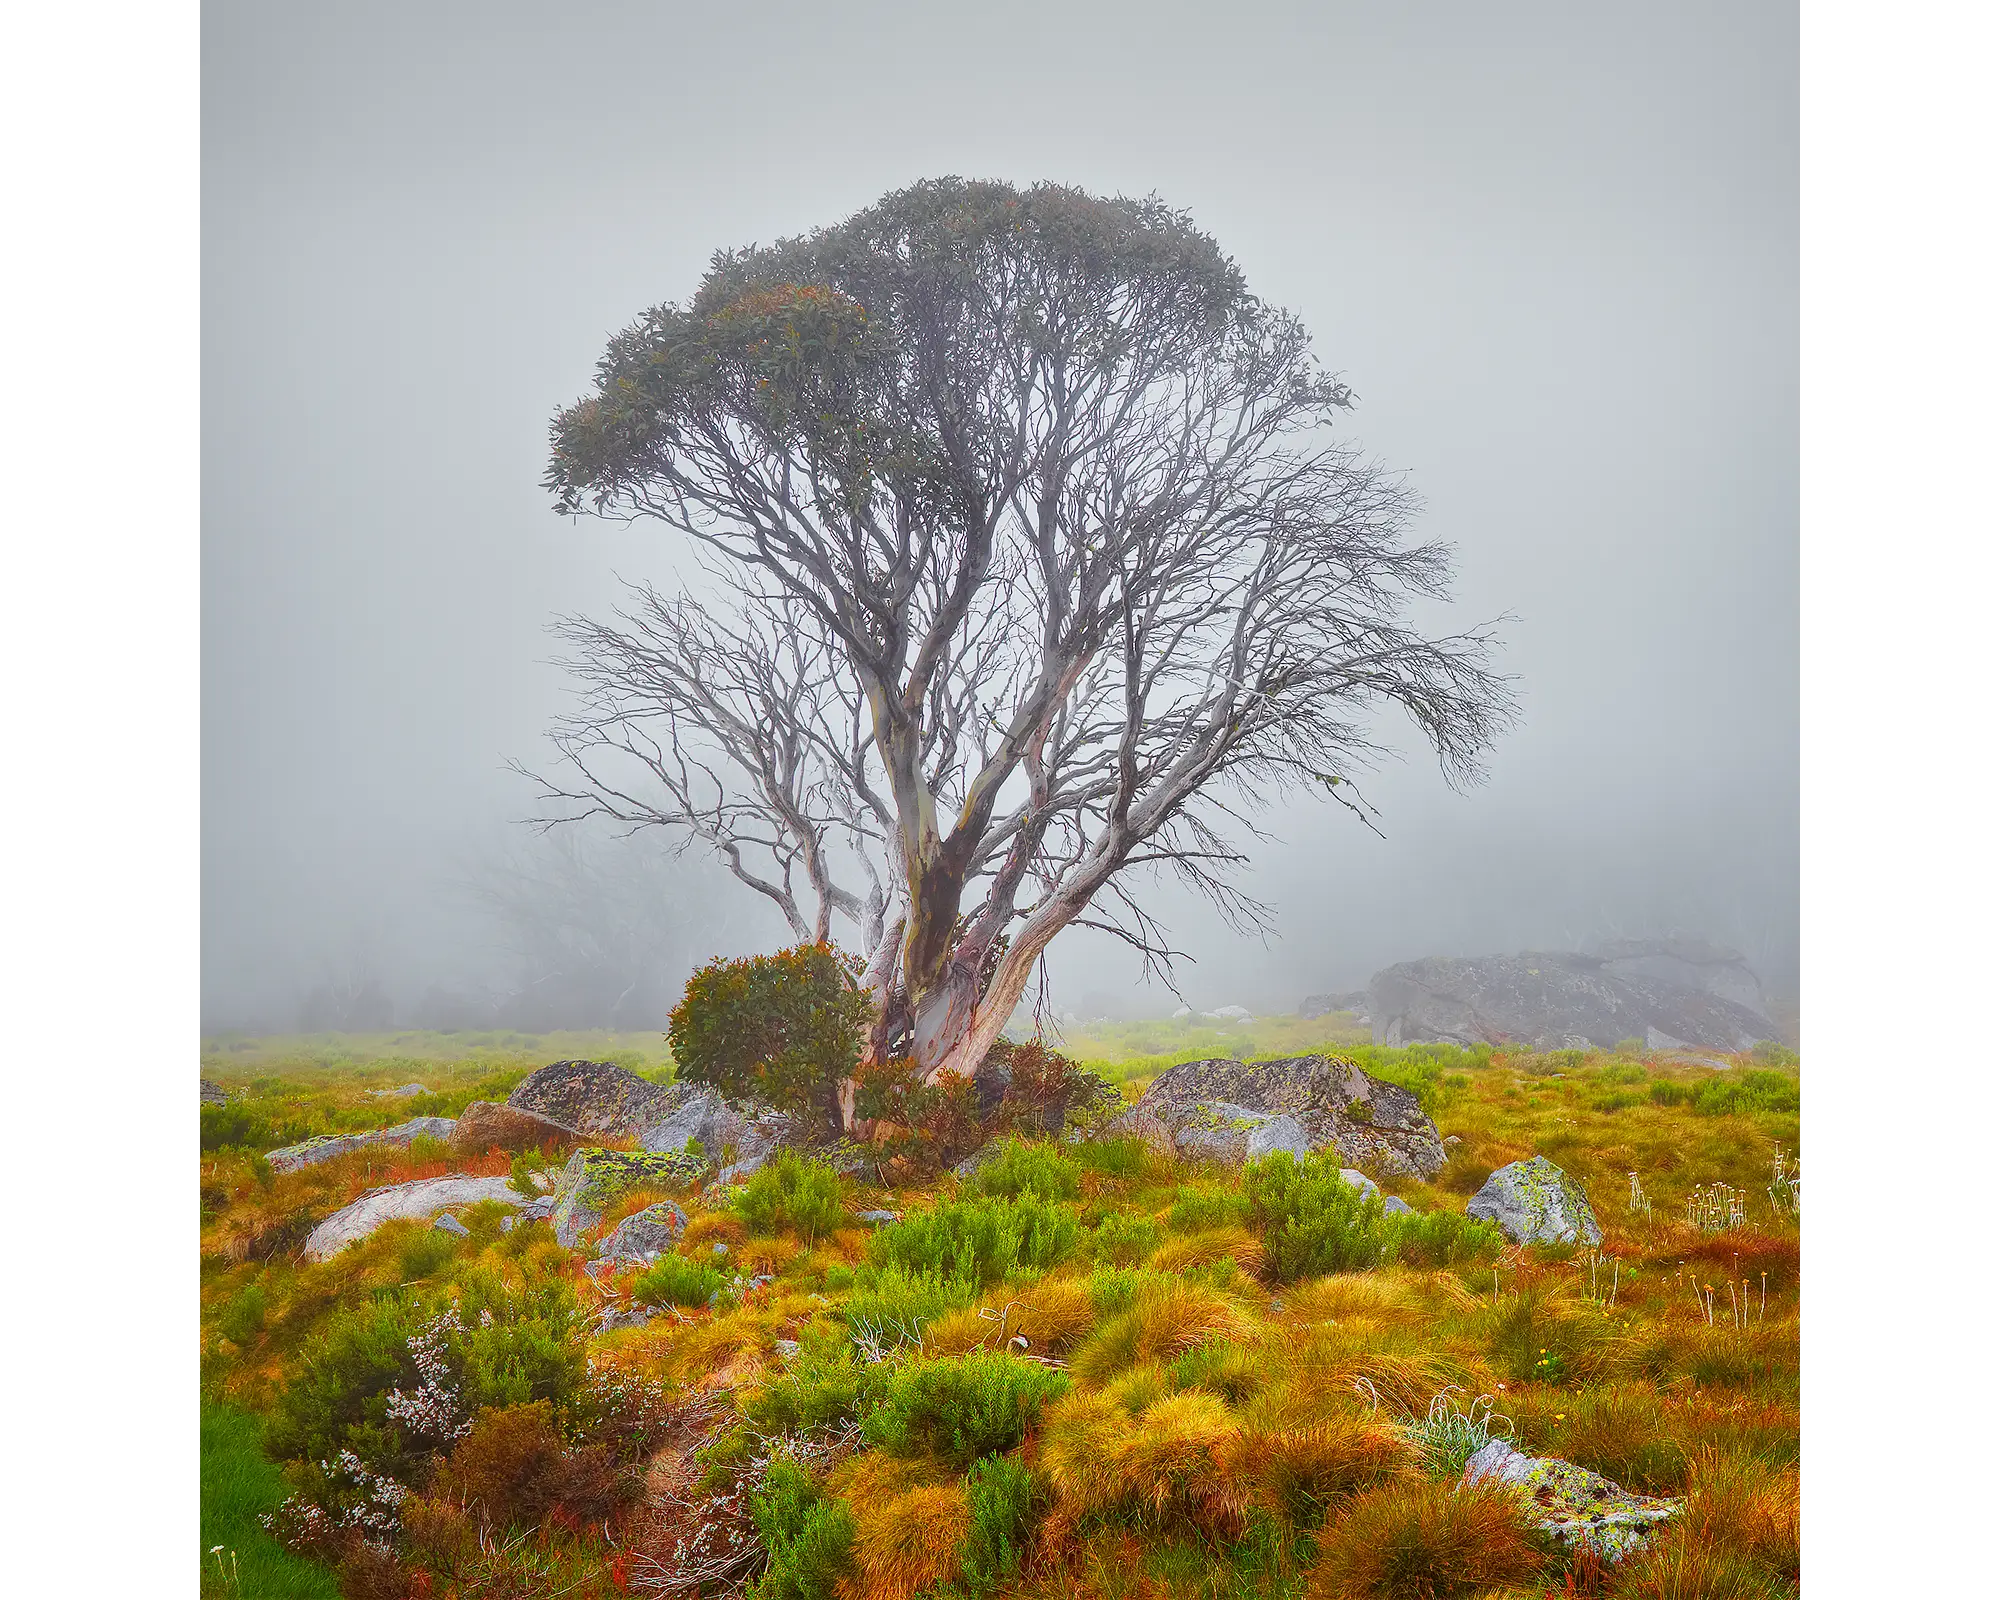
{"x":1553,"y":248}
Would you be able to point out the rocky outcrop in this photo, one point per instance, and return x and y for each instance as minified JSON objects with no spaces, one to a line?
{"x":324,"y":1148}
{"x":402,"y":1091}
{"x":598,"y":1098}
{"x":645,"y":1234}
{"x":592,"y":1179}
{"x":1324,"y":1005}
{"x":1687,"y":961}
{"x":425,"y":1198}
{"x":742,"y":1136}
{"x":213,"y":1094}
{"x":1551,"y":1000}
{"x":484,"y":1126}
{"x":1573,"y":1503}
{"x":1315,"y":1102}
{"x":1536,"y":1202}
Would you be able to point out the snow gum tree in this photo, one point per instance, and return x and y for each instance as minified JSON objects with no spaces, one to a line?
{"x":1057,"y":503}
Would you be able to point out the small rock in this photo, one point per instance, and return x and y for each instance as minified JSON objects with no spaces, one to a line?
{"x":1360,"y":1180}
{"x":1536,"y":1202}
{"x":612,"y":1318}
{"x":325,"y":1147}
{"x":1572,"y":1502}
{"x":509,"y":1222}
{"x":647,"y":1233}
{"x":424,"y":1198}
{"x":401,"y":1092}
{"x":445,"y":1222}
{"x":786,"y":1348}
{"x":878,"y":1219}
{"x":213,"y":1094}
{"x":1395,"y":1207}
{"x":484,"y":1126}
{"x":592,"y":1179}
{"x":1452,"y":1141}
{"x":718,"y":1249}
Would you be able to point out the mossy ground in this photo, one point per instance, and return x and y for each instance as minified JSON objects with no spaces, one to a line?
{"x":1221,"y":1429}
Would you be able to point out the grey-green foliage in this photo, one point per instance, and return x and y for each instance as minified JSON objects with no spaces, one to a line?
{"x":889,"y":1306}
{"x":1030,"y":1167}
{"x":823,"y":1387}
{"x":960,"y":1408}
{"x":1002,"y":1496}
{"x":809,"y":1537}
{"x":979,"y":1241}
{"x":795,"y":1194}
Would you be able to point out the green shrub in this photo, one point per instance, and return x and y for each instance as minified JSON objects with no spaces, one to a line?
{"x":810,"y":1538}
{"x":677,"y":1281}
{"x":890,"y":1305}
{"x":496,"y":1346}
{"x":1770,"y":1053}
{"x":243,"y":1318}
{"x":424,"y":1251}
{"x":1001,"y":1494}
{"x":979,"y":1241}
{"x":1746,"y":1093}
{"x":1631,"y":1047}
{"x":338,"y":1398}
{"x":1197,"y":1209}
{"x":1124,"y":1239}
{"x":1314,"y":1221}
{"x":1670,"y":1094}
{"x":793,"y":1193}
{"x":1030,"y":1168}
{"x":822,"y":1387}
{"x":783,"y":1028}
{"x":1440,"y":1239}
{"x":226,"y":1127}
{"x":963,"y":1407}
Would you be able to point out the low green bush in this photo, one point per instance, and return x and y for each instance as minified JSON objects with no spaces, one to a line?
{"x":1124,"y":1239}
{"x":1197,"y":1208}
{"x":1002,"y":1495}
{"x":890,"y":1306}
{"x":809,"y":1538}
{"x":1025,"y":1167}
{"x":1314,"y":1222}
{"x":979,"y":1241}
{"x":793,"y":1194}
{"x":677,"y":1281}
{"x":1440,"y":1239}
{"x":825,"y":1385}
{"x":963,"y":1407}
{"x":782,"y":1028}
{"x":243,"y":1318}
{"x":423,"y":1252}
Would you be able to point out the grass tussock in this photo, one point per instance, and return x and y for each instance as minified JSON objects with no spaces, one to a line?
{"x":1426,"y":1541}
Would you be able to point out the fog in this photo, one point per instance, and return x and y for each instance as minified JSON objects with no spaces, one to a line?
{"x":1552,"y":247}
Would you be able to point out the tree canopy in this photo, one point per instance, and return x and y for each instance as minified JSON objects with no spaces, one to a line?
{"x":1057,"y":503}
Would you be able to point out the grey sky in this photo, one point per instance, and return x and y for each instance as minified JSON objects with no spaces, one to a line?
{"x":1553,"y":248}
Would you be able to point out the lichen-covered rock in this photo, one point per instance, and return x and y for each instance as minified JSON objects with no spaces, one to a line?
{"x":328,"y":1145}
{"x":1216,"y":1130}
{"x":1575,"y":1504}
{"x":646,"y":1234}
{"x":742,"y":1135}
{"x":484,"y":1126}
{"x":1536,"y":1202}
{"x":445,"y":1222}
{"x":1335,"y":1104}
{"x":402,"y":1091}
{"x":592,"y":1179}
{"x":597,"y":1097}
{"x":419,"y":1200}
{"x":213,"y":1094}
